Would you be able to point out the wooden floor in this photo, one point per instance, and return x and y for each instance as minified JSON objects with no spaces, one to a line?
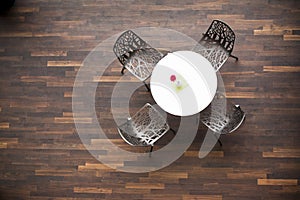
{"x":42,"y":46}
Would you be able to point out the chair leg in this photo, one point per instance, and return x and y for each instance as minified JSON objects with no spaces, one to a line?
{"x":147,"y":86}
{"x":220,"y":142}
{"x":122,"y":71}
{"x":236,"y":58}
{"x":173,"y":131}
{"x":151,"y":149}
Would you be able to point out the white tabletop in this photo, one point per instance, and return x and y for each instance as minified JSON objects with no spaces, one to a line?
{"x":183,"y":83}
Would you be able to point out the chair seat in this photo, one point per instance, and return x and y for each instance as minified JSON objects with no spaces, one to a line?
{"x":144,"y":128}
{"x":214,"y":53}
{"x":130,"y":139}
{"x":142,"y":62}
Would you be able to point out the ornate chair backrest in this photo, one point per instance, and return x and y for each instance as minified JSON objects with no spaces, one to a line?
{"x":221,"y":33}
{"x":221,"y":116}
{"x":126,"y":43}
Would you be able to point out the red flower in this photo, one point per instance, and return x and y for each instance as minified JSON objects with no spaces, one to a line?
{"x":173,"y":78}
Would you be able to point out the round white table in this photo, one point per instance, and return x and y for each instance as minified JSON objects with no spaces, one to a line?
{"x":183,"y":83}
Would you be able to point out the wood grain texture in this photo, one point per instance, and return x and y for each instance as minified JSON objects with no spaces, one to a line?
{"x":277,"y":181}
{"x":43,"y":45}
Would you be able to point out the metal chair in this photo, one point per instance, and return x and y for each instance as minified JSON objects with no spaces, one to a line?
{"x":136,"y":55}
{"x":126,"y":43}
{"x":221,"y":116}
{"x":144,"y":128}
{"x":217,"y":44}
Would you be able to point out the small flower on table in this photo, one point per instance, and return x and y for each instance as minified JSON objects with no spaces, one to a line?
{"x":178,"y":82}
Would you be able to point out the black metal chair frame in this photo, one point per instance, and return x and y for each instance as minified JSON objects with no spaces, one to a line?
{"x":126,"y":44}
{"x":222,"y":116}
{"x":136,"y":55}
{"x":144,"y":128}
{"x":221,"y":33}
